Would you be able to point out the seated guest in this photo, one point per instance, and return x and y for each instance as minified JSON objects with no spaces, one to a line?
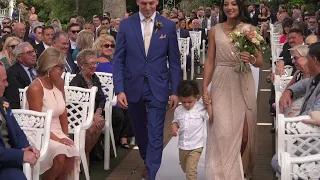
{"x":15,"y":148}
{"x":22,"y":73}
{"x":9,"y":58}
{"x":286,"y":24}
{"x":102,"y":30}
{"x":299,"y":54}
{"x":313,"y":26}
{"x":37,"y":36}
{"x":311,"y":39}
{"x":47,"y":92}
{"x":196,"y":27}
{"x":47,"y":34}
{"x":88,"y":62}
{"x":61,"y":41}
{"x":121,"y":124}
{"x":183,"y":24}
{"x":84,"y":40}
{"x":295,"y":38}
{"x":309,"y":87}
{"x":183,"y":33}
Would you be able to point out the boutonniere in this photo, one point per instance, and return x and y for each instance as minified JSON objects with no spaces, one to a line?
{"x":158,"y":25}
{"x":5,"y":106}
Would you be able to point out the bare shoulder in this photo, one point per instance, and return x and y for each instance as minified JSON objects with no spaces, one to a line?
{"x":35,"y":88}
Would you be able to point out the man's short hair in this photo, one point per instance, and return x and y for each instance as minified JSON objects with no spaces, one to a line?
{"x":8,"y":27}
{"x":174,"y":17}
{"x":314,"y":50}
{"x":36,"y":28}
{"x":18,"y":49}
{"x":71,"y":25}
{"x":47,"y":27}
{"x":57,"y":35}
{"x":96,"y":16}
{"x":296,"y":30}
{"x":105,"y":18}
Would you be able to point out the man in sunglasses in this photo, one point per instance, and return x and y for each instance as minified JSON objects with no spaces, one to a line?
{"x":22,"y":73}
{"x":73,"y":29}
{"x":6,"y":30}
{"x":6,"y":22}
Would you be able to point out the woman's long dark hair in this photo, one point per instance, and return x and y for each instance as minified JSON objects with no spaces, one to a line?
{"x":243,"y":14}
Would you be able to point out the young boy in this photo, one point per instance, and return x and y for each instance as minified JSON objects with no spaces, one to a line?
{"x":189,"y":119}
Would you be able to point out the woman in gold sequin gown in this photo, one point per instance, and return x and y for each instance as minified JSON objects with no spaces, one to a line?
{"x":230,"y":149}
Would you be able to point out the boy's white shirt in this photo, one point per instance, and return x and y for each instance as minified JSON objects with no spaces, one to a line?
{"x":191,"y":125}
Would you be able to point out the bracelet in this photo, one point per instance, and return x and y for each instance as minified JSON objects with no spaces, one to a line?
{"x":255,"y":60}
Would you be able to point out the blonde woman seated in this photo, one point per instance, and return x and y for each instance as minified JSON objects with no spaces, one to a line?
{"x":85,"y":40}
{"x":47,"y":92}
{"x":121,"y":123}
{"x":299,"y":59}
{"x":9,"y":58}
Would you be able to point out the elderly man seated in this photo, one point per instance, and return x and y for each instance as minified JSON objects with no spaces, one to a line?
{"x":14,"y":146}
{"x":309,"y":88}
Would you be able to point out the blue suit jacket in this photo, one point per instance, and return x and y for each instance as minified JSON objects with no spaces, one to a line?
{"x":17,"y":139}
{"x":130,"y":63}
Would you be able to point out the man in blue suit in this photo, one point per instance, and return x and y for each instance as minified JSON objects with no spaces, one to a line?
{"x":145,"y":43}
{"x":14,"y":146}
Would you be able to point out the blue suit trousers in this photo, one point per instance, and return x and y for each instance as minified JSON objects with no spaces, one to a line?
{"x":148,"y":116}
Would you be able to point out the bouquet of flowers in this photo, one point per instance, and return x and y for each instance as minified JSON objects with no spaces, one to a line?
{"x":246,"y":40}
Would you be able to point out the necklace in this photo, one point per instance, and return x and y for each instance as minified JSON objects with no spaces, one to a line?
{"x":88,"y":82}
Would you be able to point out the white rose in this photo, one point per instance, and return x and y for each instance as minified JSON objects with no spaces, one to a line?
{"x":237,"y":44}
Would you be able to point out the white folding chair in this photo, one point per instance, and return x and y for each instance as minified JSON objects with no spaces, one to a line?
{"x":196,"y":42}
{"x":80,"y":107}
{"x":23,"y":97}
{"x":36,"y":126}
{"x":297,"y":138}
{"x":280,"y":83}
{"x":106,"y":80}
{"x":68,"y":78}
{"x":307,"y":167}
{"x":184,"y":51}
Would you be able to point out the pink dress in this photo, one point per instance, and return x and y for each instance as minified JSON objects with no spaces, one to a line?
{"x":283,"y":38}
{"x":53,"y":99}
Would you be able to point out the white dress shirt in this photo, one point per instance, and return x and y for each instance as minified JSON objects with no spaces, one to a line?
{"x":208,"y":23}
{"x":191,"y":126}
{"x":45,"y":46}
{"x":151,"y":24}
{"x":73,"y":44}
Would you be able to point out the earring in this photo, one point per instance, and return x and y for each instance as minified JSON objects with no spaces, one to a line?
{"x":48,"y":75}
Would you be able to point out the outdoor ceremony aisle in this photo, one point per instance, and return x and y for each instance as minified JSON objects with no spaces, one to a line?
{"x":132,"y":165}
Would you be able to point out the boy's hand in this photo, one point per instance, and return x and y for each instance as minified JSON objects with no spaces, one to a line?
{"x":174,"y":129}
{"x":206,"y":99}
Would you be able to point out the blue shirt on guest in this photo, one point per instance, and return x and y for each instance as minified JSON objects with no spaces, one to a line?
{"x":105,"y":67}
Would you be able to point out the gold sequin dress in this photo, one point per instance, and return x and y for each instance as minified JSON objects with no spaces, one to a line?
{"x":233,"y":100}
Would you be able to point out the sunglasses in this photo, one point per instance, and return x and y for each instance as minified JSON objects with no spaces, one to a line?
{"x":13,"y":46}
{"x":5,"y":22}
{"x":61,"y":66}
{"x":6,"y":32}
{"x":105,"y":24}
{"x":92,"y":64}
{"x":76,"y":31}
{"x":30,"y":52}
{"x":109,"y":45}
